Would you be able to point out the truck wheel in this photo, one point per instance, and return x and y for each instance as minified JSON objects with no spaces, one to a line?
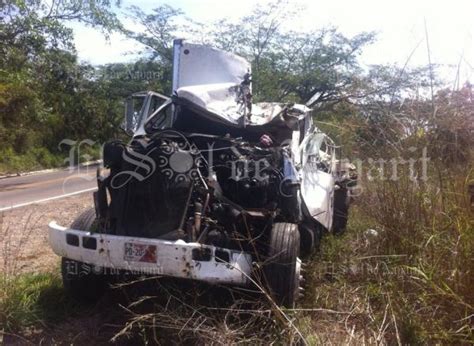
{"x":83,"y":281}
{"x":282,"y":271}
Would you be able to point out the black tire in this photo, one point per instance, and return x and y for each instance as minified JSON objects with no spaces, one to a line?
{"x":281,"y":270}
{"x":84,"y":282}
{"x":341,"y":210}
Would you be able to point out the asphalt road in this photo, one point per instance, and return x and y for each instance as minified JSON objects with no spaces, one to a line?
{"x":22,"y":191}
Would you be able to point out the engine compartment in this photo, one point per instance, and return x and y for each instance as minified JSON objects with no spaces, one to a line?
{"x":216,"y":190}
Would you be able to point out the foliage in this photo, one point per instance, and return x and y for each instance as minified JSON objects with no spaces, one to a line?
{"x":45,"y":95}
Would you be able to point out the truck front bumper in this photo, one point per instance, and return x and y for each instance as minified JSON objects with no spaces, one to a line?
{"x":152,"y":256}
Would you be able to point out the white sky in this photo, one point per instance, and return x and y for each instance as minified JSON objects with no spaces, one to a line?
{"x":399,"y":24}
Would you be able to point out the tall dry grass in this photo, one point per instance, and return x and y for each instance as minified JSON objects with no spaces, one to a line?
{"x":430,"y":231}
{"x":413,"y":277}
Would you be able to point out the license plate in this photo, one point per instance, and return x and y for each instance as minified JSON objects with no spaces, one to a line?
{"x":140,"y":253}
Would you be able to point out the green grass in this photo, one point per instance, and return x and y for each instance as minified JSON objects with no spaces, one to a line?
{"x":33,"y":300}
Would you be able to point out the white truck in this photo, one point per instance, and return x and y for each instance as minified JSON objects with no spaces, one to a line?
{"x":211,"y":187}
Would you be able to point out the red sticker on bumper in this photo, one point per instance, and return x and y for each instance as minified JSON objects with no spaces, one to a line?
{"x":140,"y":253}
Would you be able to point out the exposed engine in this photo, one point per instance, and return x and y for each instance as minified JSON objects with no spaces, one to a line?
{"x":195,"y":187}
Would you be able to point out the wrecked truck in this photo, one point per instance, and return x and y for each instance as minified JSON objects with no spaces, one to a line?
{"x":211,"y":187}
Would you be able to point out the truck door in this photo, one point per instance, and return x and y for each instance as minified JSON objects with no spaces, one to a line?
{"x":317,"y":180}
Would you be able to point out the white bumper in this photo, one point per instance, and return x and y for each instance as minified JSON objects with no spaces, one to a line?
{"x":160,"y":257}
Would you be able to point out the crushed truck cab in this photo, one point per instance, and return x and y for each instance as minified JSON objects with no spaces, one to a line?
{"x":211,"y":186}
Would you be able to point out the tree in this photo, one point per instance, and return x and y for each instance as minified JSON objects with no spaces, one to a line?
{"x":286,"y":65}
{"x":41,"y":82}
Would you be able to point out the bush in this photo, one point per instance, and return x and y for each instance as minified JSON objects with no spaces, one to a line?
{"x":34,"y":159}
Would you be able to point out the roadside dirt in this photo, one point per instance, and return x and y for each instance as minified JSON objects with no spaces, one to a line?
{"x":24,"y":233}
